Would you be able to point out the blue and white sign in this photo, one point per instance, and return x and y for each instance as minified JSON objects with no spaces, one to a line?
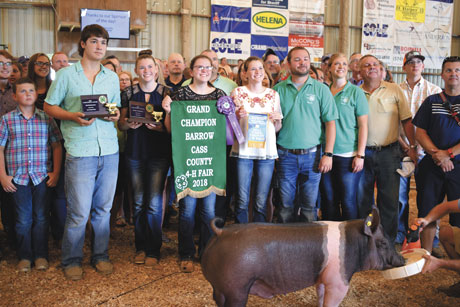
{"x":230,"y":19}
{"x":260,"y":44}
{"x":276,"y":4}
{"x":231,"y":45}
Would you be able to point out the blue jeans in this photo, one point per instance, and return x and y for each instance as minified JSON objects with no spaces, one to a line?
{"x":263,"y":172}
{"x":380,"y":167}
{"x":32,"y":220}
{"x":148,"y":179}
{"x":339,"y":189}
{"x":403,"y":216}
{"x":187,"y":207}
{"x":59,"y":206}
{"x":303,"y":169}
{"x":90,"y":184}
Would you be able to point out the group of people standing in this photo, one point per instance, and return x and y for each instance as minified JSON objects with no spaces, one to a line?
{"x":327,"y":142}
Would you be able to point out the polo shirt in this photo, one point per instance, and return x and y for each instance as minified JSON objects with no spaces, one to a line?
{"x":304,"y":111}
{"x":387,"y":108}
{"x":222,"y":83}
{"x":26,"y":143}
{"x":99,"y":138}
{"x":174,"y":87}
{"x":440,"y":126}
{"x":351,"y":103}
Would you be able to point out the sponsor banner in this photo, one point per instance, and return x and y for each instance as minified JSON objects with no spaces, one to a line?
{"x":260,"y":44}
{"x":231,"y":45}
{"x":230,"y":19}
{"x":306,"y":41}
{"x":393,"y":27}
{"x":407,"y":11}
{"x":276,"y":4}
{"x":311,"y":6}
{"x":270,"y":22}
{"x":236,"y":3}
{"x":306,"y":24}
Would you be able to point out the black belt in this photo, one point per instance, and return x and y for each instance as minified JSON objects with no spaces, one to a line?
{"x":300,"y":151}
{"x":379,"y":148}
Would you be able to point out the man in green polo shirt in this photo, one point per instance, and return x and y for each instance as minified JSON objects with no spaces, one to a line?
{"x":307,"y":107}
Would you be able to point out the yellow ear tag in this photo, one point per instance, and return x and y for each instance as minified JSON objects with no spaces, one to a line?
{"x":370,"y":214}
{"x":369,"y":223}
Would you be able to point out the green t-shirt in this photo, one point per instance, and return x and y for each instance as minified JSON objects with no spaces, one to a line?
{"x":351,"y":103}
{"x":304,"y":111}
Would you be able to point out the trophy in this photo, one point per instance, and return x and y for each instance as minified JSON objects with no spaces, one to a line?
{"x":97,"y":106}
{"x":142,"y":112}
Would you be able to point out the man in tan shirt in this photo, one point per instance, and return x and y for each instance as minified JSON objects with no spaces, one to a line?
{"x":388,"y":108}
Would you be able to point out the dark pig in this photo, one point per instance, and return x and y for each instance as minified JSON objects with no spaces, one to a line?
{"x":270,"y":259}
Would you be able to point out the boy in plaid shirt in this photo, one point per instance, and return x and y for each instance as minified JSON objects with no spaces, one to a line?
{"x":26,"y":134}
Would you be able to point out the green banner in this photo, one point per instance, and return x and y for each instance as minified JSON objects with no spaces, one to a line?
{"x":199,"y":148}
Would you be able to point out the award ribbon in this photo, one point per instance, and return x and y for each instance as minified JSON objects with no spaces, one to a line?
{"x":226,"y":106}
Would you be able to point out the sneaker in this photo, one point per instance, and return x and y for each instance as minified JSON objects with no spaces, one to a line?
{"x":186,"y":265}
{"x":151,"y":261}
{"x":24,"y":265}
{"x":139,"y":258}
{"x":104,"y":267}
{"x":41,"y":264}
{"x":74,"y":272}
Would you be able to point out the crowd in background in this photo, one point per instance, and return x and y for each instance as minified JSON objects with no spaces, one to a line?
{"x":334,"y":132}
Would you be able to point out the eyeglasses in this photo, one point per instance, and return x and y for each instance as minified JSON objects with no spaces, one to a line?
{"x":40,"y":64}
{"x":7,"y":64}
{"x":203,"y":68}
{"x":414,"y":62}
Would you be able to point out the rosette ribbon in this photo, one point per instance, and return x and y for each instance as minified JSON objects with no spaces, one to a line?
{"x":226,"y":106}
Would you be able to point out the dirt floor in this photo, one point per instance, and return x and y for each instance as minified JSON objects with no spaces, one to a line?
{"x":135,"y":285}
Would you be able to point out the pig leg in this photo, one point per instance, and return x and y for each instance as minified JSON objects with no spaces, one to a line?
{"x":334,"y":294}
{"x":219,"y":298}
{"x":320,"y":294}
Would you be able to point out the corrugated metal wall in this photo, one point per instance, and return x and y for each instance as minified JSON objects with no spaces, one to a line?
{"x":30,"y":29}
{"x":27,"y":29}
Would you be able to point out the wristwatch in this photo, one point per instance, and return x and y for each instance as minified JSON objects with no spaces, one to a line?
{"x":327,"y":154}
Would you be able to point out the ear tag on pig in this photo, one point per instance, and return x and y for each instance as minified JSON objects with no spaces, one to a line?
{"x":369,"y":223}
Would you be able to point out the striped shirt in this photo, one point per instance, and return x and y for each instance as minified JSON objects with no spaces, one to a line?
{"x":27,"y":145}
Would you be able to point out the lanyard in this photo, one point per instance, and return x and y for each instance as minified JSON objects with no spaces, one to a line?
{"x":446,"y":104}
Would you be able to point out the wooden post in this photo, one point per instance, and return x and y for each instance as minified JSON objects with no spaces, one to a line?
{"x":344,"y":27}
{"x":186,"y":12}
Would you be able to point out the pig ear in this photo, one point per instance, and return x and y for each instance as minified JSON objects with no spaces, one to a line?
{"x":371,"y":222}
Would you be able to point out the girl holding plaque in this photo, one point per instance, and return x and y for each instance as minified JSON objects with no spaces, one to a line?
{"x":148,"y":157}
{"x":199,"y":89}
{"x":259,"y":114}
{"x":339,"y":186}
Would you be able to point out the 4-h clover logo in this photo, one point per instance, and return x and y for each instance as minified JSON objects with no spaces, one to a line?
{"x":181,"y":182}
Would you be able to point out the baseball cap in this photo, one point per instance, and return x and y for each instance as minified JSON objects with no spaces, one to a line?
{"x":326,"y":57}
{"x":412,"y":54}
{"x":23,"y":59}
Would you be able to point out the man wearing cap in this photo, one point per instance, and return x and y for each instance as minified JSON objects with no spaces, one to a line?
{"x":353,"y":66}
{"x":310,"y":114}
{"x":325,"y":68}
{"x":388,"y":107}
{"x":416,"y":89}
{"x":438,"y":132}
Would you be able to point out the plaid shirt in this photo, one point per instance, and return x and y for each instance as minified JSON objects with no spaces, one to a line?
{"x":27,"y":143}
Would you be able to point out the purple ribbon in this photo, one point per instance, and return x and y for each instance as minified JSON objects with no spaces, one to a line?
{"x":226,"y":106}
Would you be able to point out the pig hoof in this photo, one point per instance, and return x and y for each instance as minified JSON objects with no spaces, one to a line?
{"x":186,"y":266}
